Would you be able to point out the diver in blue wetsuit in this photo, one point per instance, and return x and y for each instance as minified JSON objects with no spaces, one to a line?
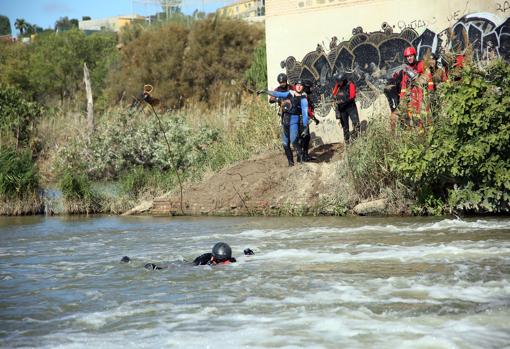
{"x":293,"y":126}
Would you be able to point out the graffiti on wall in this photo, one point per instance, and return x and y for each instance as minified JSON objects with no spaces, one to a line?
{"x":370,"y":59}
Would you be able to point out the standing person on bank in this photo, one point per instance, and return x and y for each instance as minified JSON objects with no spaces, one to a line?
{"x":344,"y":94}
{"x":410,"y":91}
{"x":305,"y":136}
{"x":294,"y":112}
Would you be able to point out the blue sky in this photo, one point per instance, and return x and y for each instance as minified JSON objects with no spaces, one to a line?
{"x":44,"y":13}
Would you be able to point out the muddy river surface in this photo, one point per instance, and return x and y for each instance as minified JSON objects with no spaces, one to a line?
{"x":312,"y":283}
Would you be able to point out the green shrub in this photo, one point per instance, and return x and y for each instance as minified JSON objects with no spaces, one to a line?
{"x":75,"y":186}
{"x":51,"y":68}
{"x":5,"y":25}
{"x":15,"y":66}
{"x":256,"y":129}
{"x":140,"y":182}
{"x":18,"y":174}
{"x":186,"y":61}
{"x":464,"y":158}
{"x":134,"y":181}
{"x":78,"y":194}
{"x":256,"y":75}
{"x":18,"y":117}
{"x":369,"y":157}
{"x":154,"y":57}
{"x":218,"y":53}
{"x":123,"y":142}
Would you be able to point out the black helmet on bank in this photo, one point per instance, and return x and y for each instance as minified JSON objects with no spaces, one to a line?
{"x":282,"y":77}
{"x":222,"y":252}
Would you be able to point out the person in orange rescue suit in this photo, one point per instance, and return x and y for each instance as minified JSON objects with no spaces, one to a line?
{"x":410,"y":91}
{"x":434,"y":73}
{"x":344,"y":94}
{"x":457,"y":67}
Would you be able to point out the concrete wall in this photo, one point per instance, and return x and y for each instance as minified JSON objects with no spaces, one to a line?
{"x":296,"y":27}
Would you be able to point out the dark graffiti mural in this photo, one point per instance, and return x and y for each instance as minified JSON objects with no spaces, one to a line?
{"x":370,"y":59}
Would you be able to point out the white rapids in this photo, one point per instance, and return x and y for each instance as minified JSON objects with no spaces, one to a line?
{"x":312,"y":283}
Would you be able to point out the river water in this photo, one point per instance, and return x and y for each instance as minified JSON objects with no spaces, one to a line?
{"x":313,"y":283}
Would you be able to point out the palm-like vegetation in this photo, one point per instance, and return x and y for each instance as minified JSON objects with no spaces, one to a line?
{"x":21,"y":25}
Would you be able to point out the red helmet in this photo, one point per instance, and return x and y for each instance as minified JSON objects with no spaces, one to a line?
{"x":410,"y":51}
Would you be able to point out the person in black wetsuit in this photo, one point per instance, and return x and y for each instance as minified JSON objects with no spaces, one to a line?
{"x":344,"y":94}
{"x":305,"y":136}
{"x":221,"y":254}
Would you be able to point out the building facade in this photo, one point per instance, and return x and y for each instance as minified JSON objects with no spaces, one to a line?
{"x":244,"y":9}
{"x":301,"y":32}
{"x":111,"y":23}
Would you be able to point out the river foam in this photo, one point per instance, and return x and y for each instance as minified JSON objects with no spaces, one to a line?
{"x":312,"y":283}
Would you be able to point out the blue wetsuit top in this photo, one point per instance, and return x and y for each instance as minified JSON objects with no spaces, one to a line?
{"x":291,"y":94}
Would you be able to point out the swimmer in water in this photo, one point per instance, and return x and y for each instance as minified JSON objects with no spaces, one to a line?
{"x":221,"y":254}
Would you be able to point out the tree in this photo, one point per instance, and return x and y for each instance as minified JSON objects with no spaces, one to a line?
{"x":155,"y":57}
{"x":14,"y":66}
{"x":17,"y":117}
{"x":21,"y":25}
{"x":64,"y":24}
{"x":256,"y":75}
{"x":86,"y":18}
{"x":33,"y":29}
{"x":5,"y":25}
{"x":219,"y":51}
{"x":61,"y":75}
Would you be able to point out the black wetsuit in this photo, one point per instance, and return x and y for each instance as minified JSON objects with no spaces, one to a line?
{"x":205,"y":259}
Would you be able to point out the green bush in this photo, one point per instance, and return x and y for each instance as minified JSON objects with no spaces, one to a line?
{"x":5,"y":25}
{"x":369,"y":157}
{"x":75,"y":186}
{"x":134,"y":182}
{"x":186,"y":61}
{"x":51,"y":68}
{"x":256,"y":129}
{"x":62,"y":75}
{"x":124,"y":141}
{"x":78,"y":194}
{"x":18,"y":174}
{"x":154,"y":57}
{"x":218,"y":53}
{"x":464,"y":159}
{"x":140,"y":182}
{"x":17,"y":117}
{"x":256,"y":75}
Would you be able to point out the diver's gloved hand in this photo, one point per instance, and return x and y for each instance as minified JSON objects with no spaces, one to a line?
{"x":152,"y":266}
{"x":305,"y":132}
{"x":261,"y":91}
{"x":248,"y":252}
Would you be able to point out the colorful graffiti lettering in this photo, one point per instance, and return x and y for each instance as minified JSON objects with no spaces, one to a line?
{"x":370,"y":59}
